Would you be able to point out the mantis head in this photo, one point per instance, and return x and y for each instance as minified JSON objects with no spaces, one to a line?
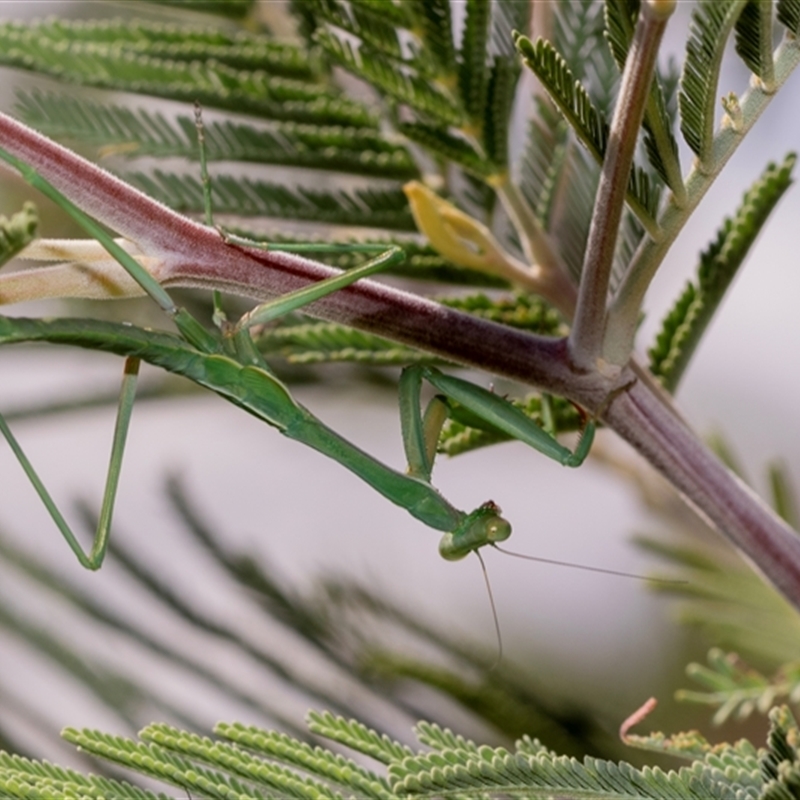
{"x":483,"y":526}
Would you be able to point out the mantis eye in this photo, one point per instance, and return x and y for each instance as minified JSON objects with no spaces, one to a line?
{"x":494,"y":528}
{"x":497,"y":530}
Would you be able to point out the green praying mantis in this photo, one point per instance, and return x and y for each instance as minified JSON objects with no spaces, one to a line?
{"x":227,"y":362}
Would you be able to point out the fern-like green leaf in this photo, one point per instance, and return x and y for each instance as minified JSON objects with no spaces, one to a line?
{"x":579,"y":36}
{"x":438,"y":738}
{"x":341,"y":771}
{"x":357,"y":736}
{"x":312,"y":342}
{"x":527,"y":312}
{"x":434,"y":24}
{"x":241,"y":196}
{"x":282,"y":773}
{"x":160,"y":764}
{"x":712,"y":23}
{"x":729,"y":603}
{"x":455,"y":766}
{"x":507,"y":17}
{"x":781,"y":761}
{"x":660,"y":144}
{"x":17,"y":232}
{"x":59,"y":50}
{"x":110,"y":686}
{"x":497,"y":772}
{"x":531,"y":747}
{"x":754,"y":40}
{"x":543,"y":159}
{"x":686,"y":322}
{"x":130,"y":132}
{"x":789,"y":15}
{"x":377,"y":24}
{"x":629,"y":237}
{"x":448,"y":146}
{"x":569,"y":95}
{"x":473,"y":70}
{"x":484,"y":698}
{"x":620,"y":17}
{"x":441,"y":87}
{"x":559,"y":183}
{"x":737,"y":690}
{"x":572,"y":203}
{"x":190,"y":44}
{"x":500,"y":95}
{"x":22,"y":777}
{"x":384,"y":27}
{"x":109,"y":622}
{"x":644,"y":196}
{"x":400,"y":85}
{"x":586,"y":120}
{"x":235,"y":9}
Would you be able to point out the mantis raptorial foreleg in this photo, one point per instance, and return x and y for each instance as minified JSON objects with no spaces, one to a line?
{"x":421,"y":436}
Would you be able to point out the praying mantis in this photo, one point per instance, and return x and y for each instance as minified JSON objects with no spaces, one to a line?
{"x":228,"y":363}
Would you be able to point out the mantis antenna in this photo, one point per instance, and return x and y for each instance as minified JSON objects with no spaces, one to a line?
{"x":494,"y":612}
{"x":585,"y":567}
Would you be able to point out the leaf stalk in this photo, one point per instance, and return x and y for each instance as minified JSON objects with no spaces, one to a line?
{"x":586,"y":335}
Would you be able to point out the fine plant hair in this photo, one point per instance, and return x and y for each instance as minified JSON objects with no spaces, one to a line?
{"x":549,"y":255}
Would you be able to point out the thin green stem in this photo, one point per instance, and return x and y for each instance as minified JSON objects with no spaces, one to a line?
{"x":219,"y":312}
{"x":306,"y":247}
{"x":267,"y":312}
{"x":625,"y":308}
{"x":586,"y":336}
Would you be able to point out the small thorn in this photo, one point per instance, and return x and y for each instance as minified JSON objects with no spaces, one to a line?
{"x":635,"y":718}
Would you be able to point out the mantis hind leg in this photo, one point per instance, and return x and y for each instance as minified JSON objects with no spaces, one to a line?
{"x":94,"y":558}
